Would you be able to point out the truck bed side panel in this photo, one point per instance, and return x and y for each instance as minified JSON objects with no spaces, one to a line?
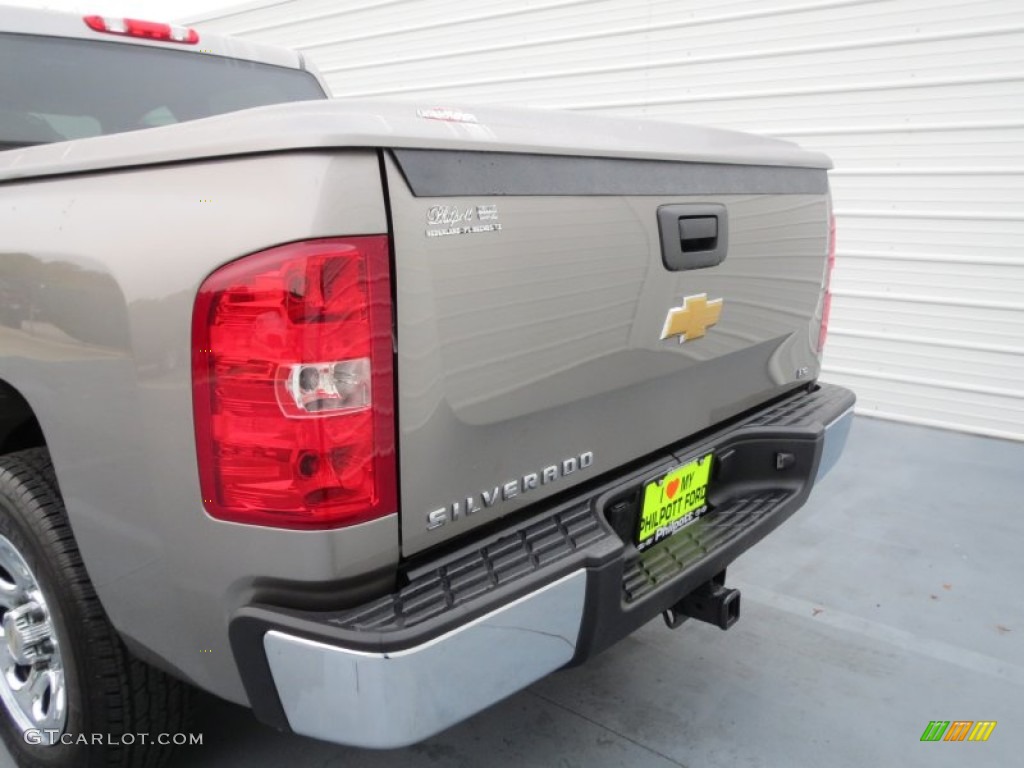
{"x":109,"y":264}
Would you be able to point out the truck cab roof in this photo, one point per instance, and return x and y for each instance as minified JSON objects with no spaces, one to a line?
{"x":66,"y":76}
{"x":32,"y":21}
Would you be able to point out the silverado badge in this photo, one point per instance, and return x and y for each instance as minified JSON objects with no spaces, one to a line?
{"x":692,"y":320}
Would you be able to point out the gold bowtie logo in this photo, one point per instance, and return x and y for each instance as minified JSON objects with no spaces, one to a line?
{"x":692,"y":320}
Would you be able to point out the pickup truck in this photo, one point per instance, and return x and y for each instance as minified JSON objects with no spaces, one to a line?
{"x":368,"y":415}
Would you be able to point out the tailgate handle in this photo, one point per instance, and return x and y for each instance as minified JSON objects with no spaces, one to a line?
{"x":693,"y":236}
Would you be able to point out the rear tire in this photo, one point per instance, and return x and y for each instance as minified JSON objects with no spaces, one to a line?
{"x":45,"y":593}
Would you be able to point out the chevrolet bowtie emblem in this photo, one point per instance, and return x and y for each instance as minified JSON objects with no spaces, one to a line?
{"x":691,"y":320}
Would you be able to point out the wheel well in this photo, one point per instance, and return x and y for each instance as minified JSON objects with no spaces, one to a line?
{"x":19,"y":427}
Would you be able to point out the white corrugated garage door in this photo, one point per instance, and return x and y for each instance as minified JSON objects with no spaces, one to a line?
{"x":919,"y":102}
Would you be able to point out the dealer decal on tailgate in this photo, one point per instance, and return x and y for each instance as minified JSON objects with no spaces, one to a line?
{"x":674,"y":501}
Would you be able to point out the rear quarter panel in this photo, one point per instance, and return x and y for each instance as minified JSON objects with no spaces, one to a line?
{"x":106,"y":266}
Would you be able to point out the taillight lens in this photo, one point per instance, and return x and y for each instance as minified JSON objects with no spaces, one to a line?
{"x":293,"y":388}
{"x":826,"y":306}
{"x":149,"y":30}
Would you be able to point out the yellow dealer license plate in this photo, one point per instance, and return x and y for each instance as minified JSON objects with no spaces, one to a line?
{"x":673,"y":502}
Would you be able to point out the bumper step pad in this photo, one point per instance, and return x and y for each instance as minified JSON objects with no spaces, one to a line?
{"x":511,"y":557}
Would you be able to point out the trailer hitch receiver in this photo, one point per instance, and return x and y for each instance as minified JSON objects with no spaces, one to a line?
{"x":712,"y":602}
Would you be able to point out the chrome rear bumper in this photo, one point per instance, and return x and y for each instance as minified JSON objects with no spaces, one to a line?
{"x":472,"y":626}
{"x":407,"y":696}
{"x":836,"y":433}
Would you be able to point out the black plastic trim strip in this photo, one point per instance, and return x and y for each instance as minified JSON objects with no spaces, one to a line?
{"x":447,"y":173}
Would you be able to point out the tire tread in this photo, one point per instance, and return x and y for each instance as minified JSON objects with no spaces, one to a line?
{"x":139,"y":698}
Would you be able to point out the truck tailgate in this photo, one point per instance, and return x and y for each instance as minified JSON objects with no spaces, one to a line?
{"x":536,"y":344}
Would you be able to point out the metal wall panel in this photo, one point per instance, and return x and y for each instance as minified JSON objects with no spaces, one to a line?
{"x":919,"y":102}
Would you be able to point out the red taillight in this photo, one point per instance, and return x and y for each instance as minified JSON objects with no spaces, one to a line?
{"x":292,"y":386}
{"x":150,"y":30}
{"x":826,"y":306}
